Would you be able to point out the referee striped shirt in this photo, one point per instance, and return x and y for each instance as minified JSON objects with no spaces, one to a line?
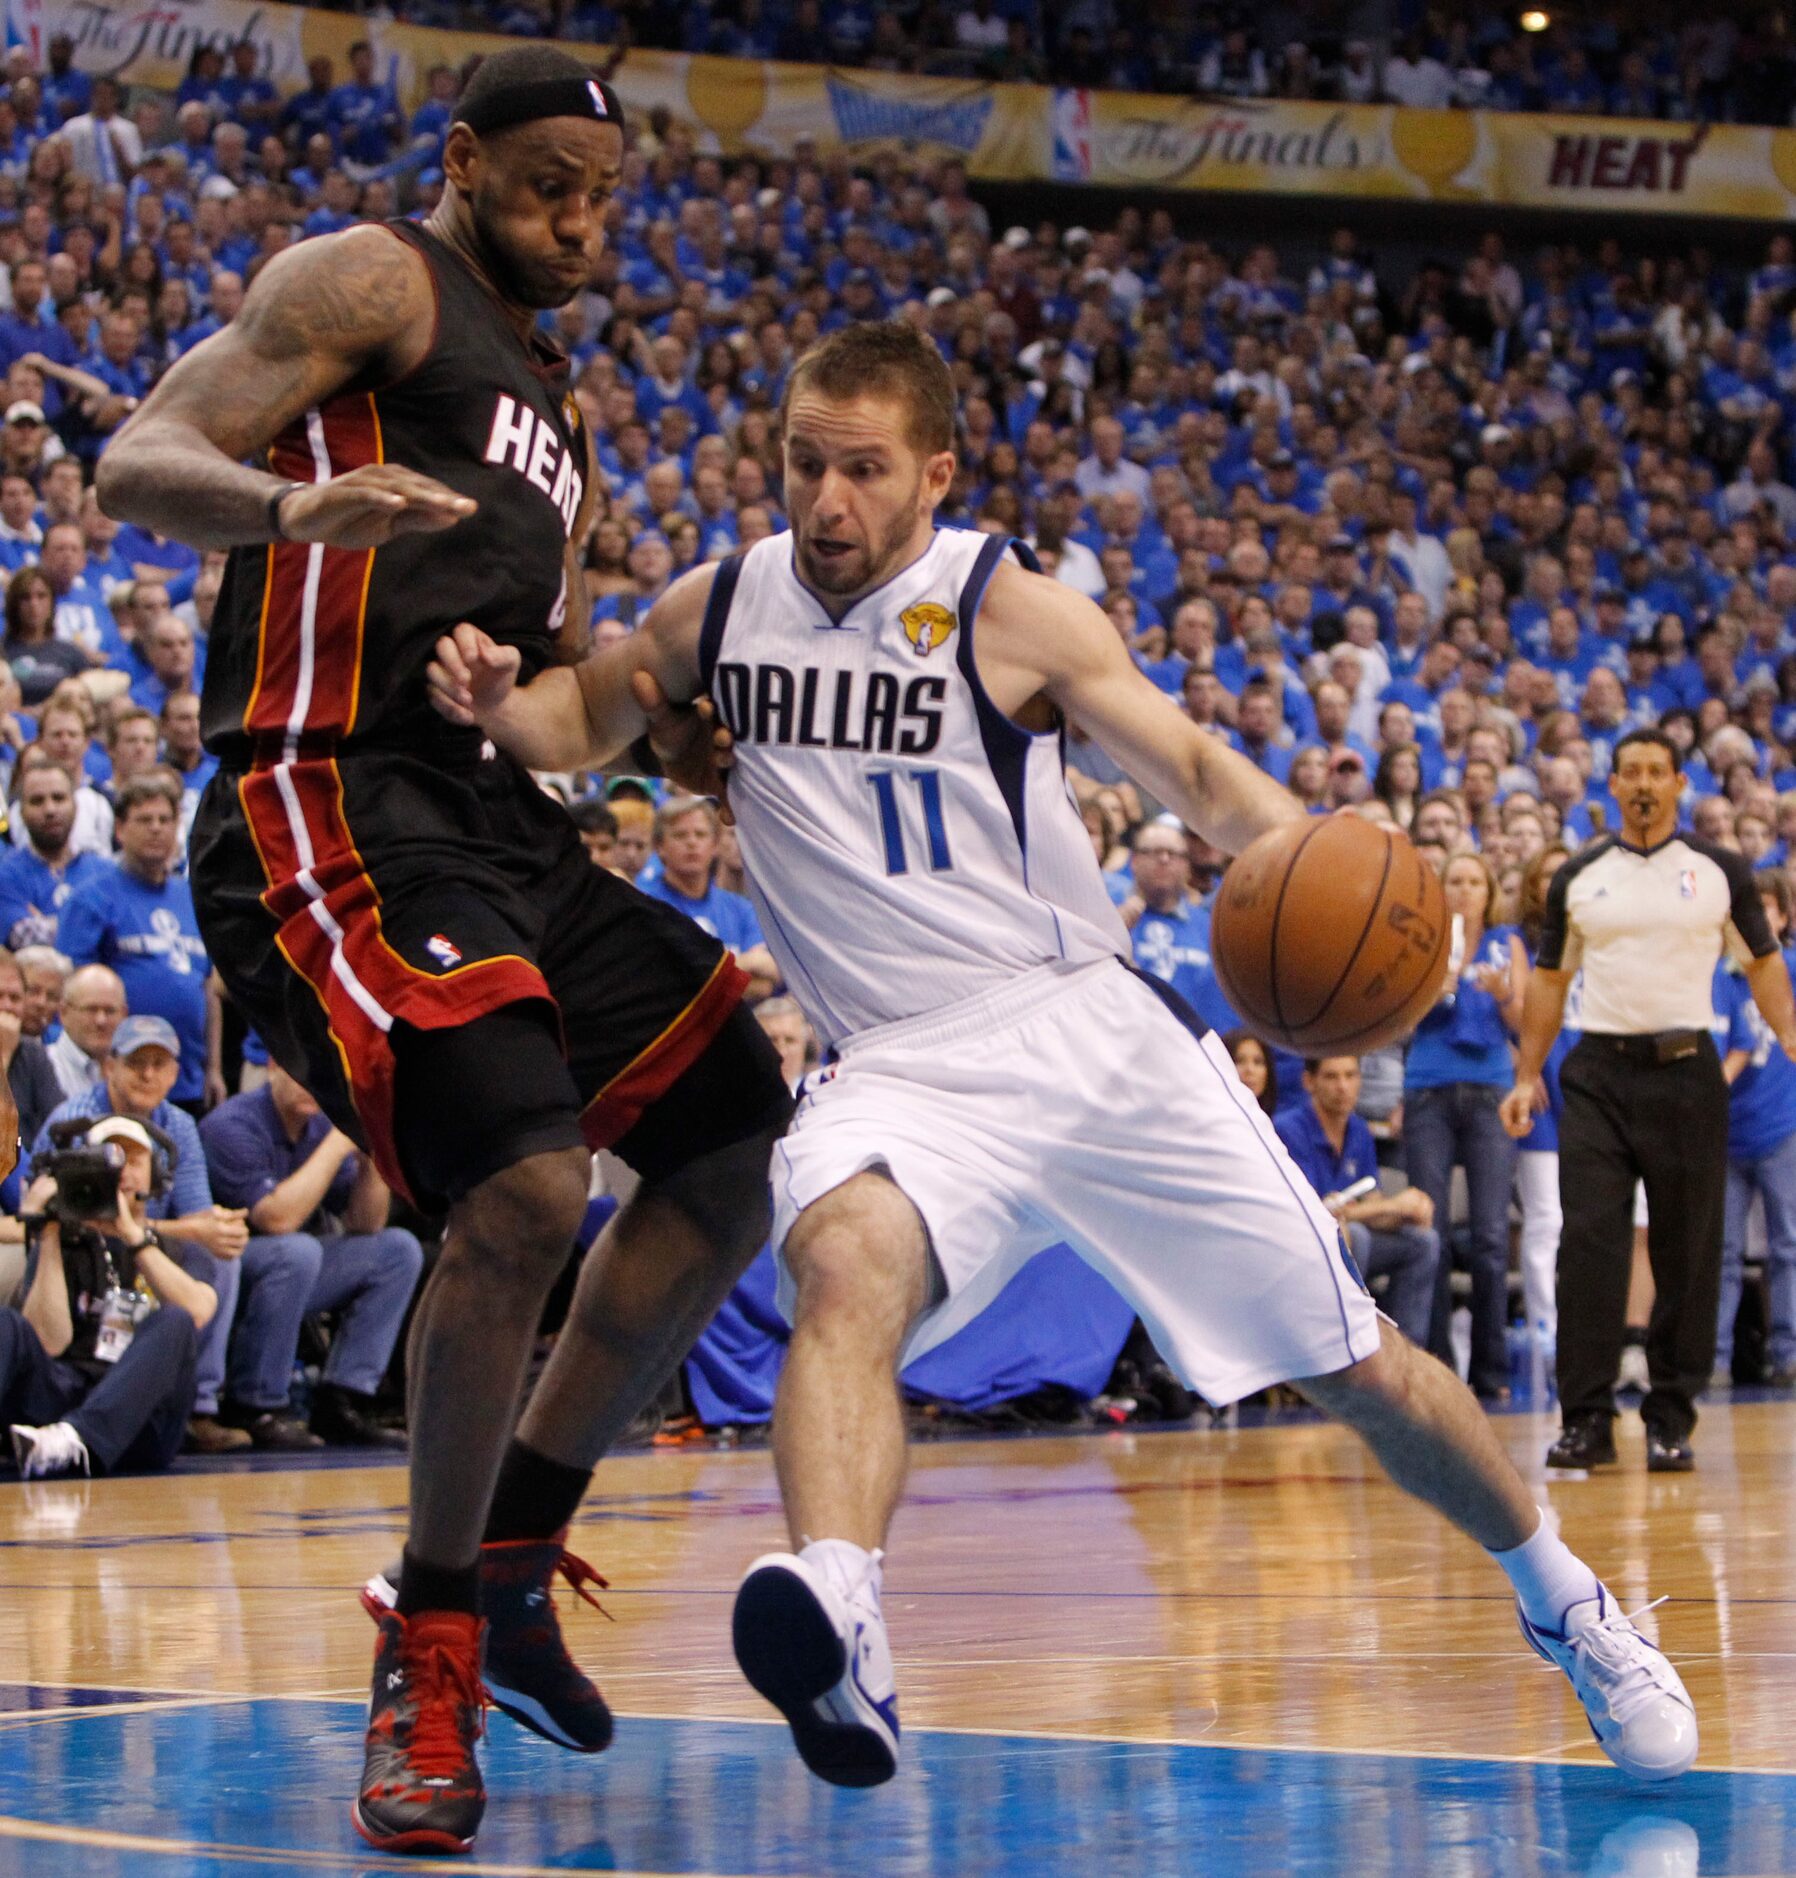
{"x":1647,"y":925}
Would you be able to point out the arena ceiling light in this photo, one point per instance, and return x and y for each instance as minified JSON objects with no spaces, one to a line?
{"x":1535,"y":20}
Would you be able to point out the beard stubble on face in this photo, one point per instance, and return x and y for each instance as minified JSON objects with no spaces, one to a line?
{"x":862,"y":570}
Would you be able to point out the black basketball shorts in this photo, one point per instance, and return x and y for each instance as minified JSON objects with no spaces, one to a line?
{"x":433,"y":955}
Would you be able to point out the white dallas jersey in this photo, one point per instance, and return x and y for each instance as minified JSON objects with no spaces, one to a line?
{"x":907,"y":845}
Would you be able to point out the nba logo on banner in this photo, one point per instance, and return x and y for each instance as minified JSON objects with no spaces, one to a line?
{"x":1072,"y":136}
{"x":1687,"y":883}
{"x":25,"y":27}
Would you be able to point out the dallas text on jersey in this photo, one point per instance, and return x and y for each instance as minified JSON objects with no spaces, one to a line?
{"x":770,"y":704}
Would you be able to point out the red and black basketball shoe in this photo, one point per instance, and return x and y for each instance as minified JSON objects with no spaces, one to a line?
{"x":421,"y":1785}
{"x":529,"y":1672}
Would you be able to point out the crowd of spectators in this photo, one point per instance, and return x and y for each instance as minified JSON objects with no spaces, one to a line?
{"x":1650,"y":61}
{"x":1423,"y":541}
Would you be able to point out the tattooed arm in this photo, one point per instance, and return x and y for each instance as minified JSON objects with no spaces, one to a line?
{"x":318,"y":316}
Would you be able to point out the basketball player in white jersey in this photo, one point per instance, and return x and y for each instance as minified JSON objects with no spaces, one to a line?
{"x":999,"y":1077}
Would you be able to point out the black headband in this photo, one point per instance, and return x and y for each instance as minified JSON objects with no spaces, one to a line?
{"x":532,"y":99}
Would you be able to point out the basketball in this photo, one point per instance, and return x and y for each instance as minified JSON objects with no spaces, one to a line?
{"x":1330,"y":935}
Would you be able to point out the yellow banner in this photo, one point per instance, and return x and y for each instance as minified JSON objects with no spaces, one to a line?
{"x":1028,"y":133}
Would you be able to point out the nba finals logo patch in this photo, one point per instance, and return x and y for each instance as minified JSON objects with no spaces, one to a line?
{"x":927,"y":625}
{"x":442,"y":951}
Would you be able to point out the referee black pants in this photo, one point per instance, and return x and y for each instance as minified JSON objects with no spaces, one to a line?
{"x":1627,"y":1118}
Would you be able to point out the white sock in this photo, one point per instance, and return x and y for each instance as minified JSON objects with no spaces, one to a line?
{"x":854,"y":1572}
{"x":1548,"y":1576}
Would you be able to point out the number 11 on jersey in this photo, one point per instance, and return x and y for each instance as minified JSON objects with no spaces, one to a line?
{"x":884,"y":783}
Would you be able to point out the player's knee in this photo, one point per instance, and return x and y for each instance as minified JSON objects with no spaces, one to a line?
{"x":860,"y":1254}
{"x":1378,"y":1388}
{"x":520,"y":1224}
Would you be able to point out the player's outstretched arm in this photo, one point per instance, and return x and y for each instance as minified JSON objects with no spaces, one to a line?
{"x":585,"y":716}
{"x":318,"y":316}
{"x":1038,"y":637}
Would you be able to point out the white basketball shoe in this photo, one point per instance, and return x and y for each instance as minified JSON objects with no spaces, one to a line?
{"x":823,"y":1660}
{"x":41,"y":1452}
{"x":1639,"y":1710}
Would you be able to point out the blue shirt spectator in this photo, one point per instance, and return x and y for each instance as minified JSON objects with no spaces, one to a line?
{"x":138,"y":918}
{"x":1328,"y":1169}
{"x":190,"y":1189}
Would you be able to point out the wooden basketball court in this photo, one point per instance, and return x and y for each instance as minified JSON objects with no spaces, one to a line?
{"x":1213,"y":1652}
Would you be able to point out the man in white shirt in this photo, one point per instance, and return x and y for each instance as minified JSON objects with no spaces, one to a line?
{"x":1415,"y":78}
{"x":1422,"y":557}
{"x":103,"y":147}
{"x":93,"y":1007}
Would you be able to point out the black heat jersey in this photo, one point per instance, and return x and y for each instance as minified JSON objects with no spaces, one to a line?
{"x":364,"y":873}
{"x":319,"y":648}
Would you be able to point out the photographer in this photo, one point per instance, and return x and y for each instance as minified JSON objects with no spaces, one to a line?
{"x":97,"y":1370}
{"x":206,"y":1240}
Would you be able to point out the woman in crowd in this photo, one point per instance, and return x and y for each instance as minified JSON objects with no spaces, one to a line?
{"x":1308,"y":780}
{"x":1458,"y":1070}
{"x":1398,"y":784}
{"x":1253,"y":1064}
{"x":39,"y":660}
{"x":608,"y":559}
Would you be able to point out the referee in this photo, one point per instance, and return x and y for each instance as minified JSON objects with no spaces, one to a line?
{"x":1645,"y":914}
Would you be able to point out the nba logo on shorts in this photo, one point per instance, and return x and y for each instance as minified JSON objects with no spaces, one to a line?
{"x":442,"y":951}
{"x":1687,"y":883}
{"x":1072,"y":136}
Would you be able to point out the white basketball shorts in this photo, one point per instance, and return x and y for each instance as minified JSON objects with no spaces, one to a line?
{"x":1077,"y":1104}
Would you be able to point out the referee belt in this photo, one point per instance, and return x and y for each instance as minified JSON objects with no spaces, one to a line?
{"x":1652,"y":1046}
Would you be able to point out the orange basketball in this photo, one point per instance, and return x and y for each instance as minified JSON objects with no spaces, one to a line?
{"x":1330,"y":935}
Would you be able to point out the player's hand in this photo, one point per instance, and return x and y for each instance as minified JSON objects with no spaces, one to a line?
{"x":472,"y":675}
{"x":1516,"y":1110}
{"x":367,"y":507}
{"x":695,"y":751}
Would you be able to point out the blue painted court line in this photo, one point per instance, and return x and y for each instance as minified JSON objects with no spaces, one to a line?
{"x":266,"y":1782}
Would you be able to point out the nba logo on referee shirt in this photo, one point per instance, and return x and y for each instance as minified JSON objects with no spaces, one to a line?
{"x":1687,"y":883}
{"x":442,"y":951}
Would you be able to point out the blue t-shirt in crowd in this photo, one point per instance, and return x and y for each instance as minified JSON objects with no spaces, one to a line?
{"x":1175,"y":948}
{"x":33,"y":894}
{"x":1463,"y":1038}
{"x":149,"y":936}
{"x":724,"y":915}
{"x":248,"y":1153}
{"x":1761,"y":1104}
{"x":1328,"y":1171}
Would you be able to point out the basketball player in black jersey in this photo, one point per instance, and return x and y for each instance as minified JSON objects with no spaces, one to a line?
{"x":410,"y":923}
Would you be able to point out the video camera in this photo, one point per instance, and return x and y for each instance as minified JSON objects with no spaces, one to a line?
{"x":87,"y":1176}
